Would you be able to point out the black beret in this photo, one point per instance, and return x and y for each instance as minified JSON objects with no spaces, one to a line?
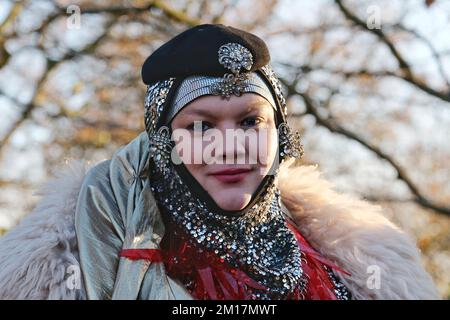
{"x":195,"y":52}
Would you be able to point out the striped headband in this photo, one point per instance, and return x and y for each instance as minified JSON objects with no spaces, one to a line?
{"x":196,"y":86}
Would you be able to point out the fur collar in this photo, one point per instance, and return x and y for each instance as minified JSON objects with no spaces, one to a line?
{"x":357,"y":237}
{"x":39,"y":258}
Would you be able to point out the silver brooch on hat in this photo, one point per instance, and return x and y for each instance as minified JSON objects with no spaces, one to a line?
{"x":236,"y":58}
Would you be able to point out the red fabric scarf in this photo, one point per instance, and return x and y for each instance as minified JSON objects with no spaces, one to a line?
{"x":208,"y":277}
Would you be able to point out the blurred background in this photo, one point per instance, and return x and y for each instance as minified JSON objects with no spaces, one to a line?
{"x":367,"y":84}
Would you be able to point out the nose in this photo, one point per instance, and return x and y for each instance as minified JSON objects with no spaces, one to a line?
{"x":232,"y":148}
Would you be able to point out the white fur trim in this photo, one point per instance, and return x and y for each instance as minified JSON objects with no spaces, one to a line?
{"x":35,"y":255}
{"x":355,"y":235}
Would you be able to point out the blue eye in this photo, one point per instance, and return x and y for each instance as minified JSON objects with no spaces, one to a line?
{"x":251,"y":121}
{"x":204,"y":126}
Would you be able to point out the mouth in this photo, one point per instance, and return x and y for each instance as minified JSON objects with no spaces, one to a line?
{"x":232,"y":175}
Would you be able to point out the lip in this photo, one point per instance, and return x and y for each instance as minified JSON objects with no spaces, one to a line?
{"x":232,"y":175}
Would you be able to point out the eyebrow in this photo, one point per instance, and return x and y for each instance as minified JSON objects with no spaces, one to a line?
{"x":206,"y":113}
{"x":199,"y":112}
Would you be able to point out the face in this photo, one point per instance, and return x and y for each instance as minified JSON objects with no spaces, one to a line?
{"x":228,"y":145}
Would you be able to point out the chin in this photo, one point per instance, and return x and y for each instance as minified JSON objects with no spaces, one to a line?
{"x":232,"y":202}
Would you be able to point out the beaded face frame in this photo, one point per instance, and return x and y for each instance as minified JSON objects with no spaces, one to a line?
{"x":258,"y":241}
{"x":289,"y":142}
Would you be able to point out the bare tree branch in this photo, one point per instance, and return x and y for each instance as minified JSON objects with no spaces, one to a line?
{"x":173,"y":14}
{"x":336,"y":128}
{"x":405,"y":69}
{"x":116,"y":12}
{"x":51,"y":64}
{"x":432,"y":49}
{"x":4,"y":55}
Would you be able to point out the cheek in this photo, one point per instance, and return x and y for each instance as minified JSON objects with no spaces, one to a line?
{"x":189,"y":148}
{"x":195,"y":169}
{"x":191,"y":156}
{"x":265,"y":147}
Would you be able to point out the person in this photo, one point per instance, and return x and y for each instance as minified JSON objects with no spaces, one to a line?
{"x":207,"y":202}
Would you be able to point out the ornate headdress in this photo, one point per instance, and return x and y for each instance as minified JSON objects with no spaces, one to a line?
{"x":224,"y":61}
